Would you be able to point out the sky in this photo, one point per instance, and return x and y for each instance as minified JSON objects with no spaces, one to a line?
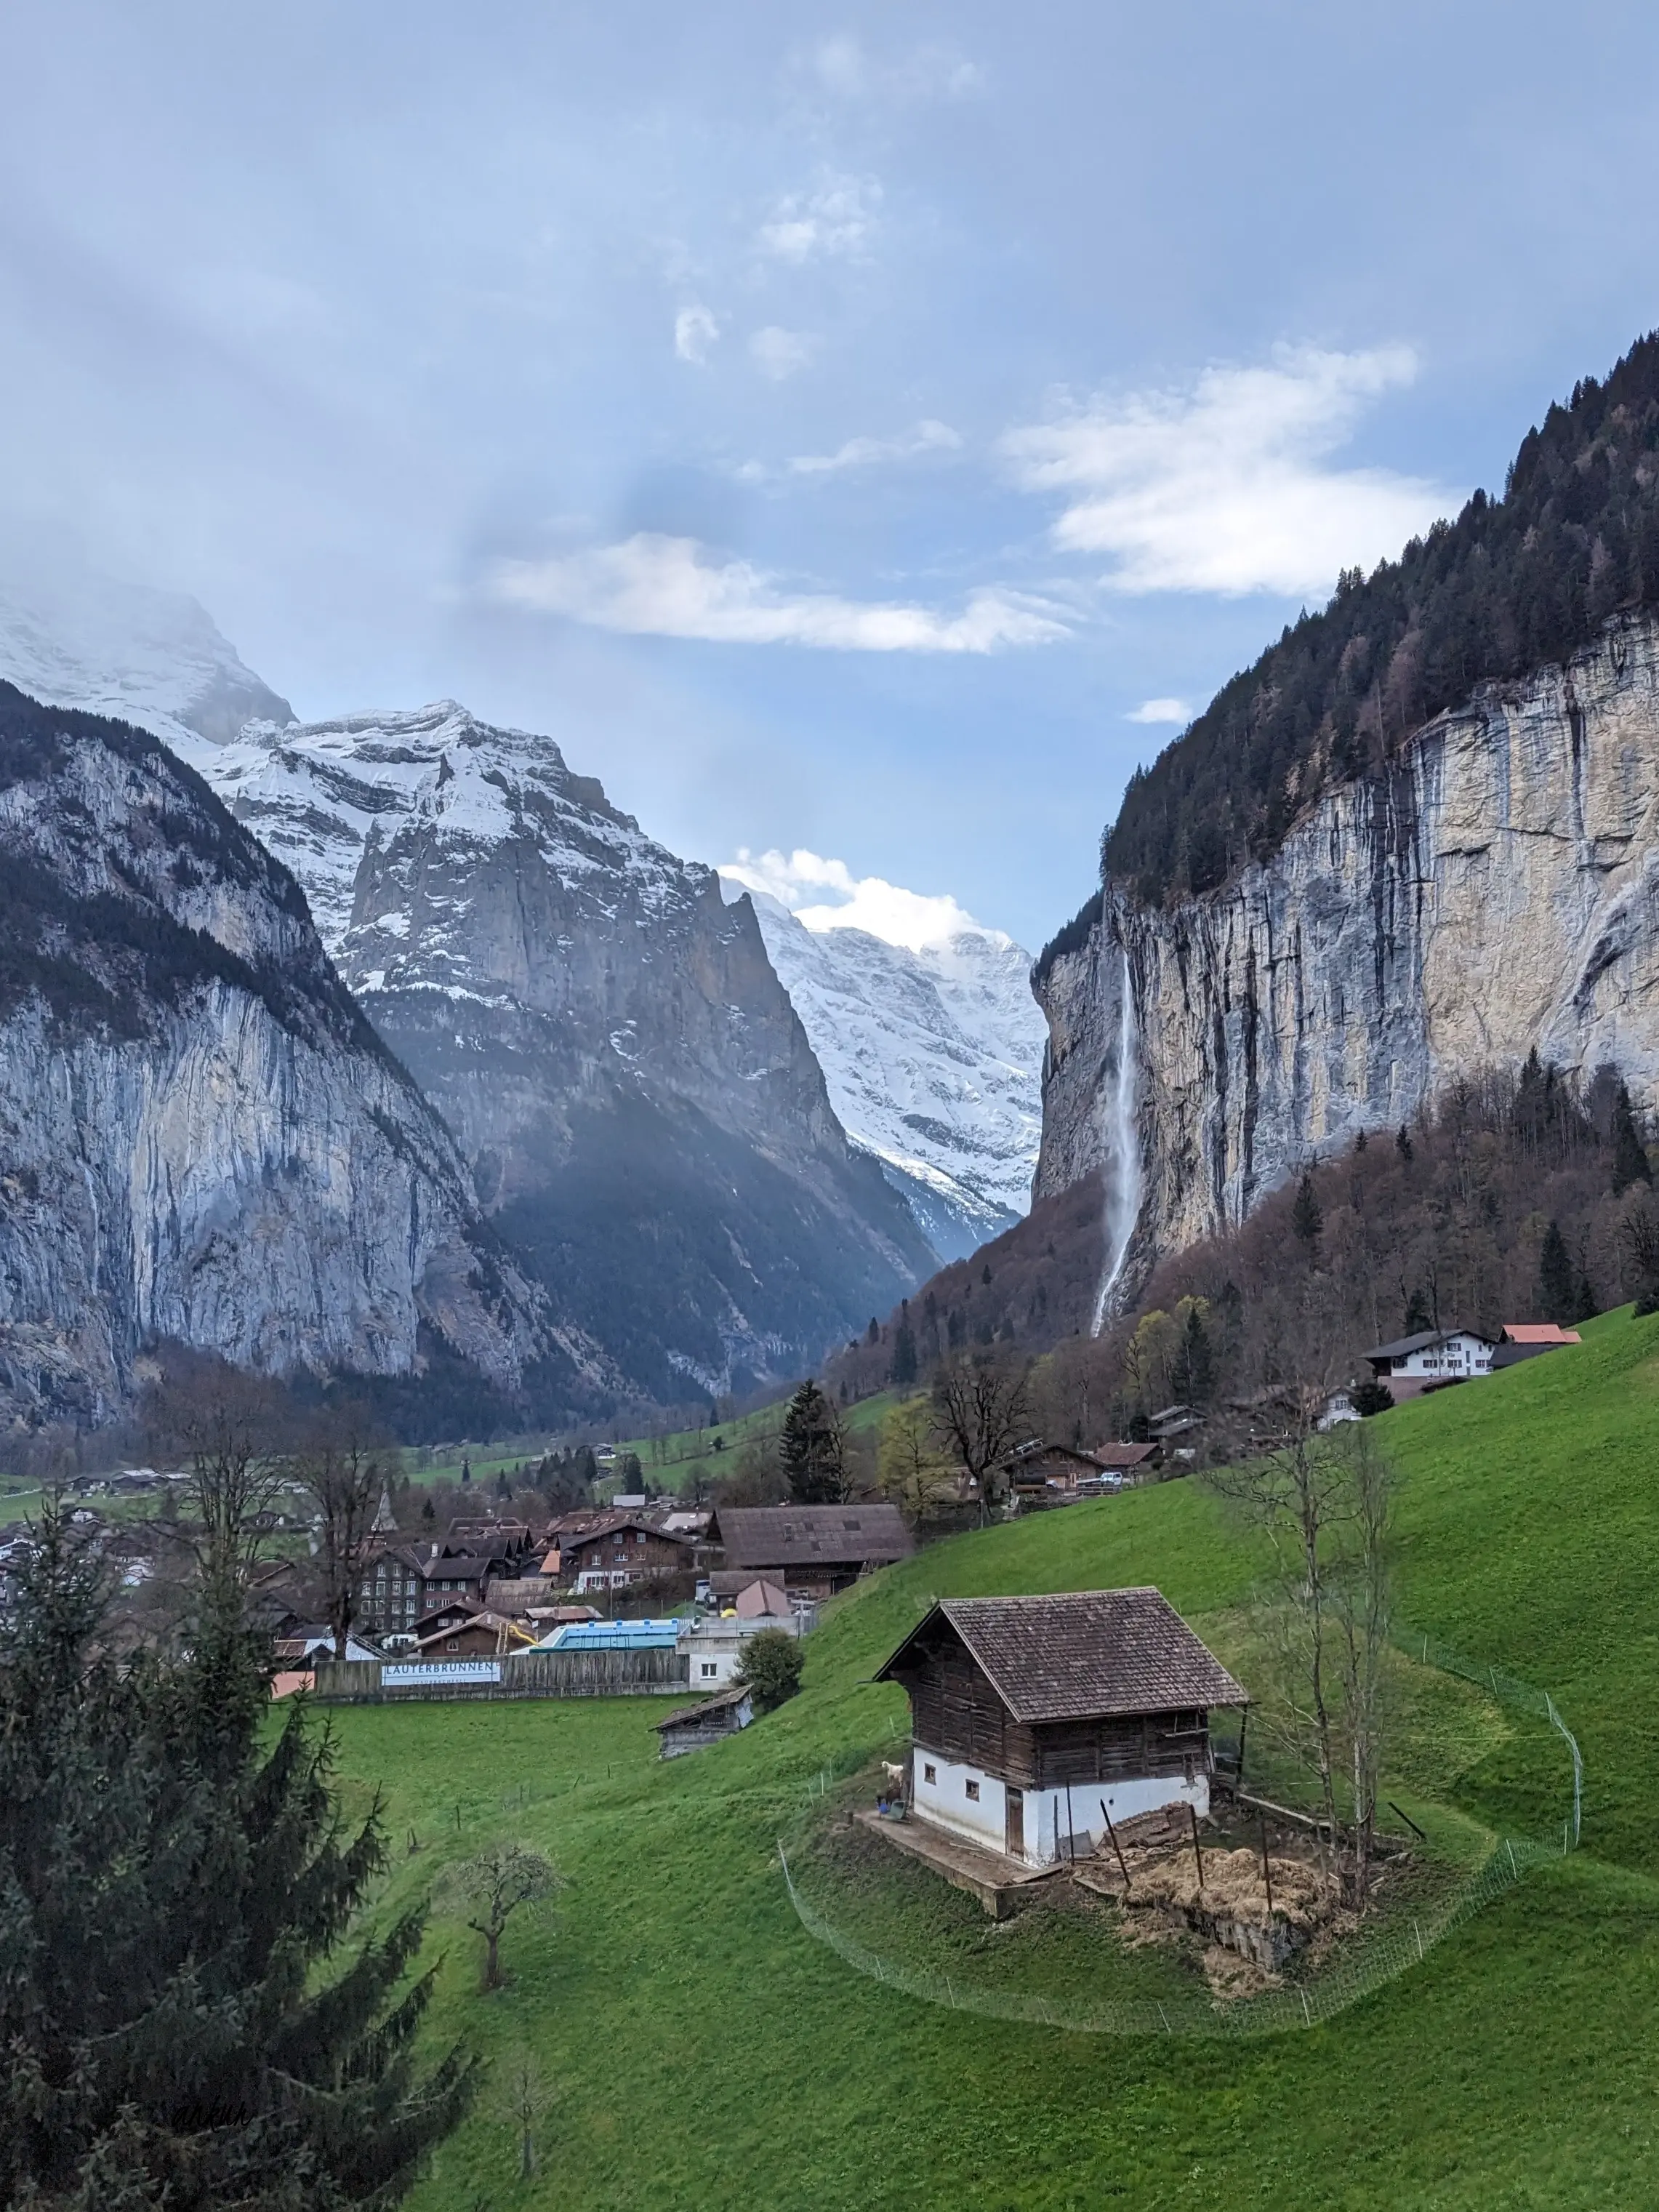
{"x":857,"y":433}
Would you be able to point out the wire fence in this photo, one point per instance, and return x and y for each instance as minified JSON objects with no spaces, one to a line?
{"x":1362,"y":1964}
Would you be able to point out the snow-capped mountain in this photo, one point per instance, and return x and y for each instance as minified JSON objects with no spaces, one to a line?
{"x":933,"y":1059}
{"x":153,"y":658}
{"x":635,"y":1095}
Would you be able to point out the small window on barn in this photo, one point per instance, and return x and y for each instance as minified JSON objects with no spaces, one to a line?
{"x":929,"y":1772}
{"x":973,"y":1791}
{"x":709,"y":1667}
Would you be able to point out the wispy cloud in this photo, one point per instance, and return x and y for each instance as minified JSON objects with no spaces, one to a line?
{"x":695,"y":332}
{"x":779,"y":352}
{"x":798,"y":880}
{"x":843,"y":66}
{"x":1161,"y":710}
{"x":838,"y":218}
{"x":927,"y":437}
{"x":1227,"y":486}
{"x":655,"y":586}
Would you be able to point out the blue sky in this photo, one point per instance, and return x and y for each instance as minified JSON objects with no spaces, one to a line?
{"x":836,"y":425}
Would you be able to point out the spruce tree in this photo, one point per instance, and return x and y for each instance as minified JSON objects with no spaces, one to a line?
{"x":901,"y":1373}
{"x":1557,"y":1290}
{"x":1307,"y":1217}
{"x":810,"y":1449}
{"x":1402,"y":1144}
{"x":1630,"y":1159}
{"x":183,"y":2025}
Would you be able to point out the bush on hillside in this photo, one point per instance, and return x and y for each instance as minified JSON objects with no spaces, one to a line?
{"x":771,"y":1667}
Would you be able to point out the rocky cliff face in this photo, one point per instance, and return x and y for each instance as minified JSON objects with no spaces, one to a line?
{"x":1495,"y":888}
{"x":639,"y":1107}
{"x":201,"y":1138}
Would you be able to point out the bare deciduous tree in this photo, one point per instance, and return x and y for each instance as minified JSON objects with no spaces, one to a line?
{"x":1325,"y":1505}
{"x":1361,"y":1604}
{"x":229,"y":1427}
{"x":496,"y":1884}
{"x":344,"y":1468}
{"x":524,"y":2104}
{"x":982,"y":1410}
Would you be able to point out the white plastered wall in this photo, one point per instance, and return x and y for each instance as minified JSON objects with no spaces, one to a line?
{"x":1049,"y":1817}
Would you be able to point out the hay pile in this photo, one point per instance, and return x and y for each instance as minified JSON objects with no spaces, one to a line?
{"x":1248,"y":1945}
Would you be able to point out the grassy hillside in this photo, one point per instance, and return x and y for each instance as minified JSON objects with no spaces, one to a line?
{"x":697,"y":2047}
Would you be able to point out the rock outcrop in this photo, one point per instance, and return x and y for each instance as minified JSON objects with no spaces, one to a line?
{"x":638,"y":1104}
{"x":201,"y":1137}
{"x":1496,"y":888}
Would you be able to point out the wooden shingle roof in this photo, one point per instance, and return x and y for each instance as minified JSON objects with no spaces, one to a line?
{"x":1080,"y":1656}
{"x":812,"y":1535}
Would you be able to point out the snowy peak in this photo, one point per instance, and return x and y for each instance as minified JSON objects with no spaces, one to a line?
{"x":72,"y":638}
{"x":320,"y":793}
{"x":933,"y":1057}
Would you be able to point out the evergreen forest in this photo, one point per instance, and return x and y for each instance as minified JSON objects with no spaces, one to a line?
{"x":1511,"y":584}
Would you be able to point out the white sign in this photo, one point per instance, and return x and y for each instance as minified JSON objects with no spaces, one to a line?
{"x":440,"y":1670}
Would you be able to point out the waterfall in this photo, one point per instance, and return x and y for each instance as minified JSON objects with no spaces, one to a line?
{"x":1122,"y":1155}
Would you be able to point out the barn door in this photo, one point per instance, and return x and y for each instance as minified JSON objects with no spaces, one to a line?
{"x":1014,"y":1828}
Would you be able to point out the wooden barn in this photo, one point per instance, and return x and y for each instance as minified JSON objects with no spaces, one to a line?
{"x":1033,"y":1718}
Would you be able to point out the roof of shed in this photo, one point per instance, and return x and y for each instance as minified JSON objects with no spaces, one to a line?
{"x":721,"y":1702}
{"x":812,"y":1535}
{"x":1083,"y":1655}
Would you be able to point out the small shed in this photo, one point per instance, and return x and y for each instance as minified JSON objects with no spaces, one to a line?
{"x":694,"y":1727}
{"x":1033,"y":1719}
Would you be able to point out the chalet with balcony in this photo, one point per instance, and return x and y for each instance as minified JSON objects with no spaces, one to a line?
{"x":1033,"y":1719}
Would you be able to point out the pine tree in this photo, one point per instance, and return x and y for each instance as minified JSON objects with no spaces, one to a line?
{"x":1557,"y":1290}
{"x":1306,"y":1218}
{"x":1419,"y":1316}
{"x":182,"y":2024}
{"x":1402,"y":1144}
{"x":1192,"y":1370}
{"x":810,"y":1449}
{"x":1630,"y":1159}
{"x":902,"y":1371}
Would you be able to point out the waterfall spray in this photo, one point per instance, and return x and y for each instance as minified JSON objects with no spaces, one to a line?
{"x":1122,"y":1154}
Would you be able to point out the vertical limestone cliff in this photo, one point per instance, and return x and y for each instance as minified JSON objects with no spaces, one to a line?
{"x":201,"y":1138}
{"x":1495,"y":888}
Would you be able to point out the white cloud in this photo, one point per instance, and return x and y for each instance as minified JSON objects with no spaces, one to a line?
{"x":1227,"y":487}
{"x":838,"y":218}
{"x":843,"y":67}
{"x":695,"y":332}
{"x":798,"y":880}
{"x":927,"y":437}
{"x":661,"y":587}
{"x":1161,"y":710}
{"x":778,"y":352}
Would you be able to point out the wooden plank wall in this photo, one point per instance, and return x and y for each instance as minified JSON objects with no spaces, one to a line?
{"x":527,"y":1675}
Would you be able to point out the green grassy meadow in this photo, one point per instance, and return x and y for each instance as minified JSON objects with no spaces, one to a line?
{"x":697,"y":2047}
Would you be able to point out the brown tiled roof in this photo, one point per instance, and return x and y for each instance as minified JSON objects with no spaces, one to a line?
{"x":608,"y":1523}
{"x":756,"y":1536}
{"x":1113,"y":1457}
{"x":1084,"y":1655}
